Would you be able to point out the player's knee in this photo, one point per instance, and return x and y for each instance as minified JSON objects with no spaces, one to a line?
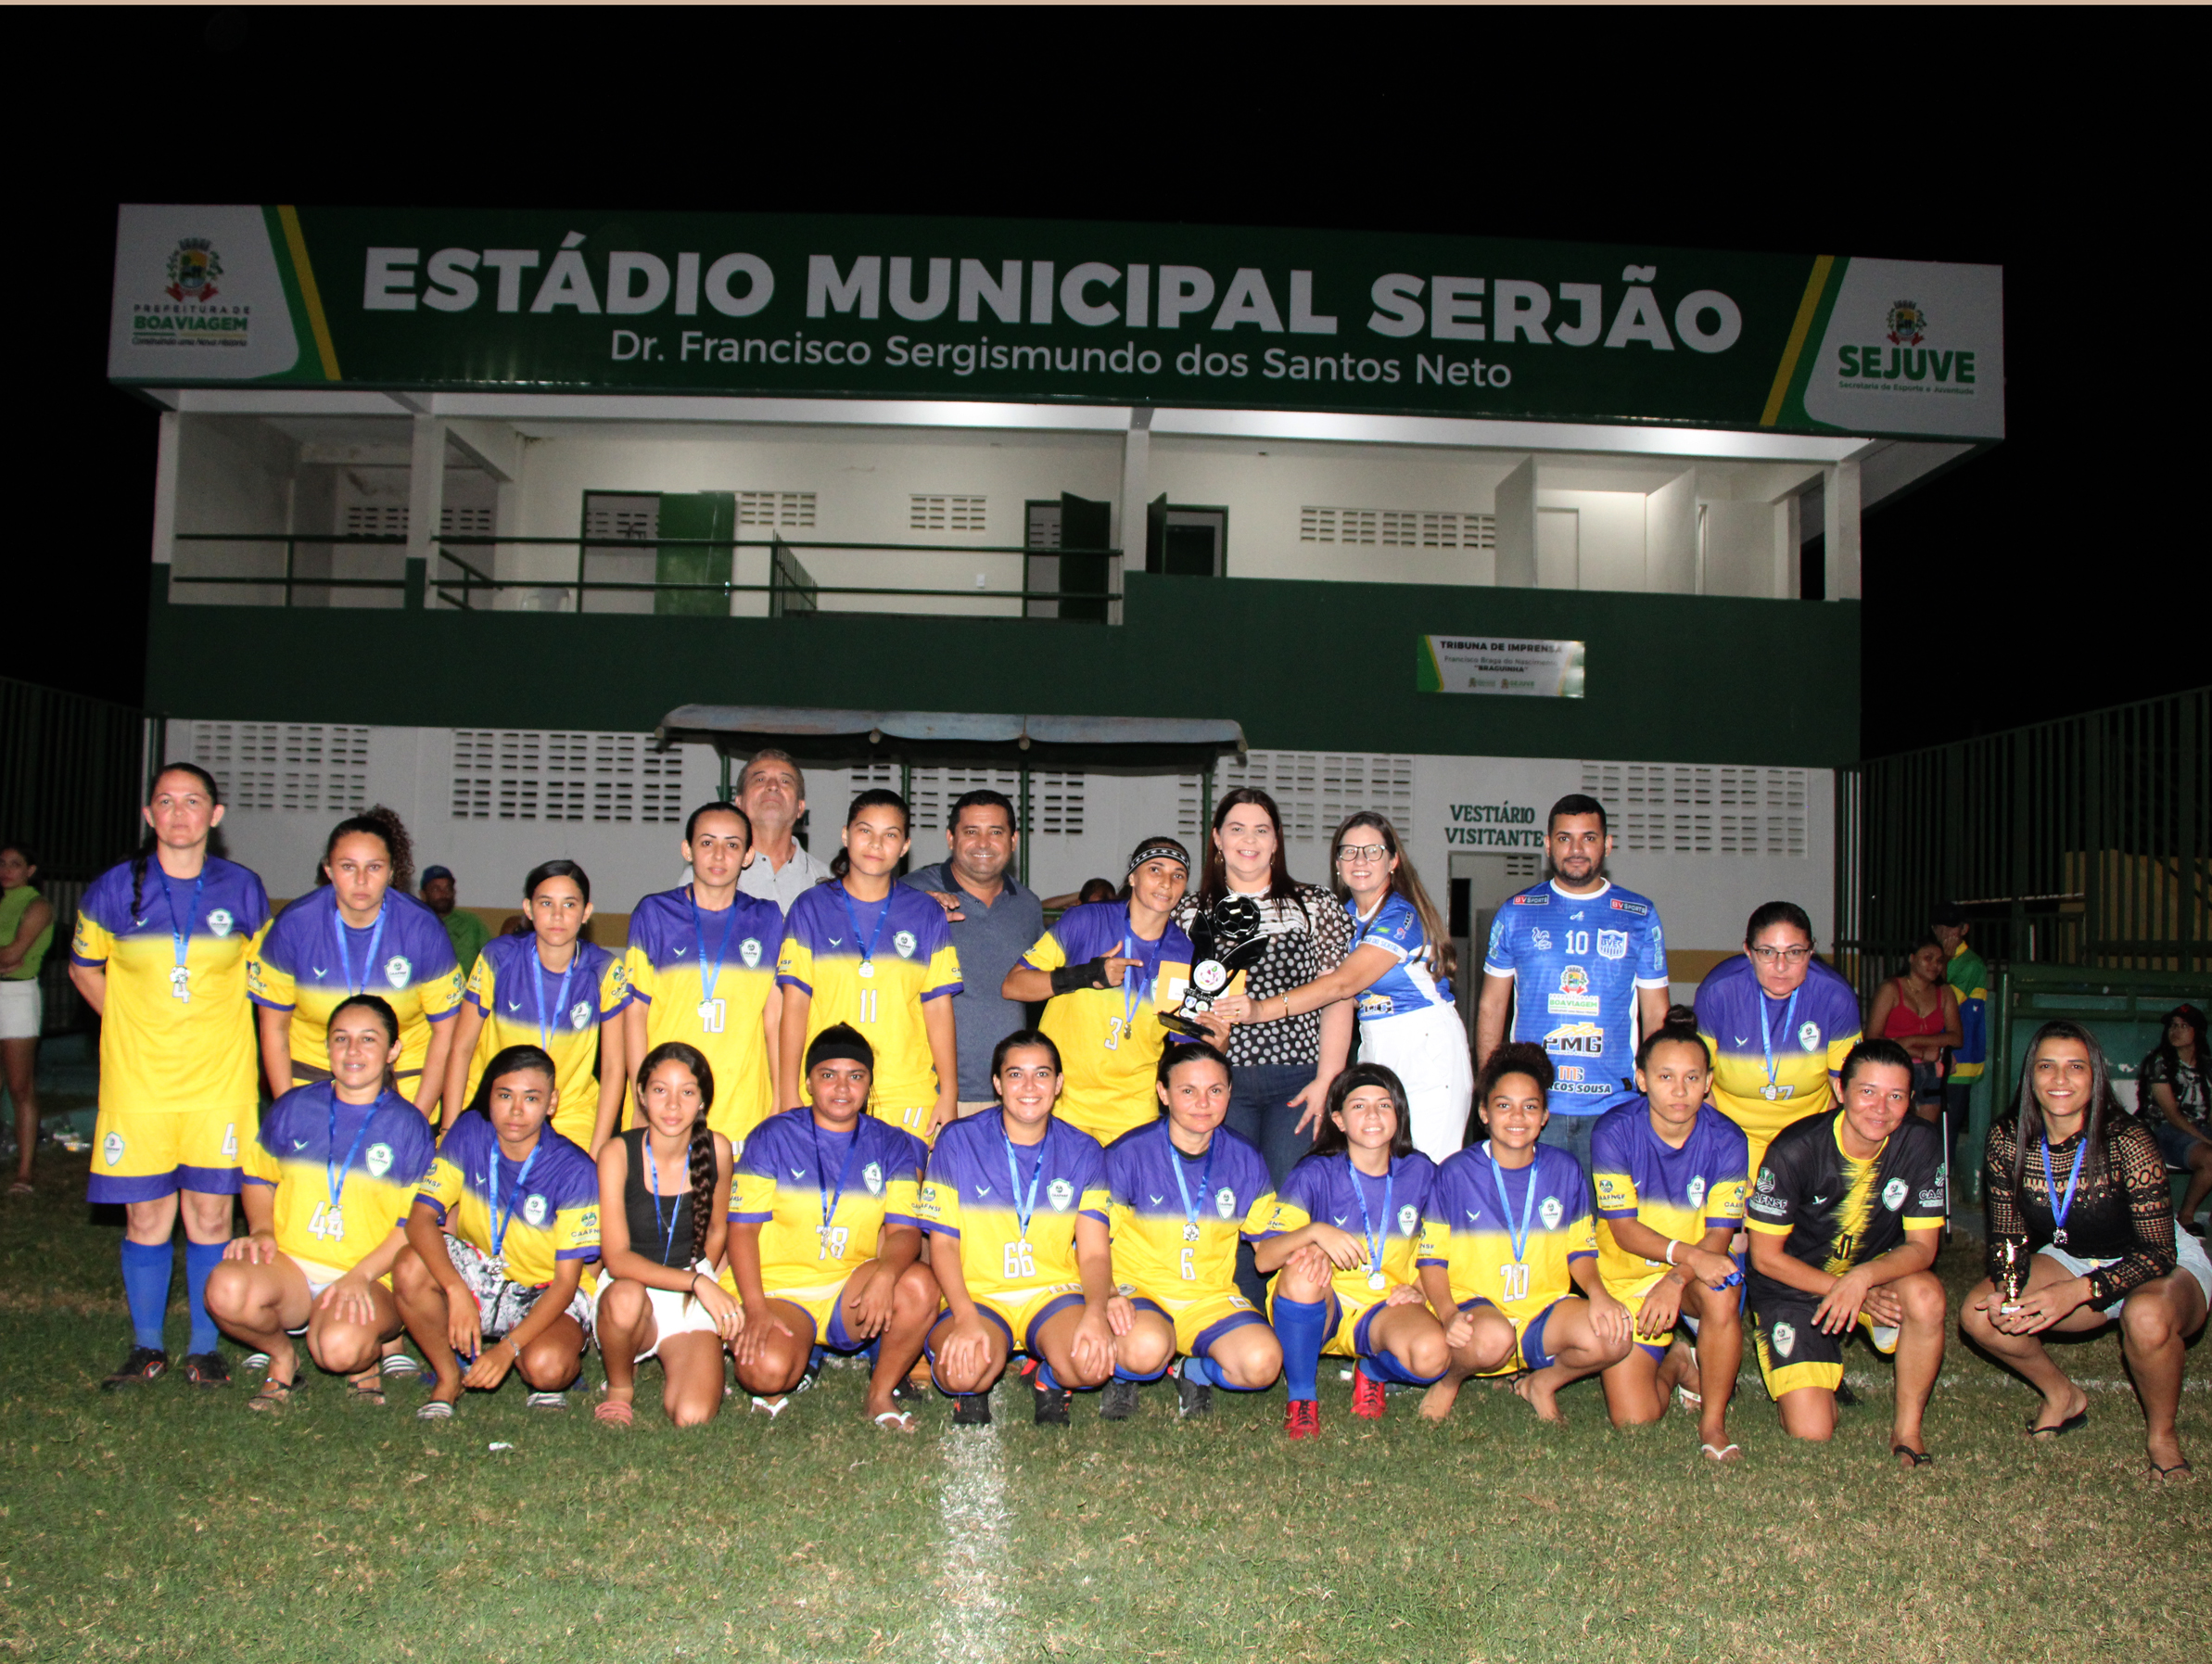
{"x":343,"y":1348}
{"x":1254,"y":1364}
{"x":916,"y":1291}
{"x":1923,"y":1298}
{"x":1144,"y":1350}
{"x":548,"y":1363}
{"x":622,"y":1307}
{"x":1974,"y":1319}
{"x":411,"y":1277}
{"x":2147,"y":1320}
{"x":228,"y":1290}
{"x":686,"y":1410}
{"x":1428,"y":1353}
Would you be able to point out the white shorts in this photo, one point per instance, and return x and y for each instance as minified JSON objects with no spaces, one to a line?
{"x":23,"y":1009}
{"x":674,"y":1312}
{"x":1427,"y":1050}
{"x":2188,"y":1255}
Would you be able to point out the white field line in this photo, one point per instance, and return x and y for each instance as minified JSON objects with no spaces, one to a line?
{"x":974,"y":1620}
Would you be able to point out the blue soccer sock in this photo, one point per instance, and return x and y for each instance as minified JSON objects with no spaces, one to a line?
{"x":1383,"y":1367}
{"x":1044,"y":1379}
{"x":1125,"y":1375}
{"x":200,"y":1258}
{"x":1301,"y":1326}
{"x":1205,"y":1371}
{"x":145,"y":1289}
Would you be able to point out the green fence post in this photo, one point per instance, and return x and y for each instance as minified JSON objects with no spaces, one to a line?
{"x":418,"y":583}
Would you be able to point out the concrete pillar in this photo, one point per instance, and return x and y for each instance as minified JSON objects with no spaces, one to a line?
{"x":1516,"y":508}
{"x":426,"y":501}
{"x":165,"y":501}
{"x":1841,"y":530}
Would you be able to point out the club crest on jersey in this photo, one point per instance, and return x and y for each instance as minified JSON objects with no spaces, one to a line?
{"x":397,"y":969}
{"x":1541,"y":939}
{"x":1894,"y":1193}
{"x":1809,"y":1036}
{"x":1409,"y":1218}
{"x":379,"y":1160}
{"x":111,"y":1148}
{"x":749,"y":951}
{"x":1574,"y":980}
{"x":579,"y":1013}
{"x":220,"y":922}
{"x":1224,"y":1203}
{"x":1577,"y":1039}
{"x":1786,"y":1337}
{"x":1612,"y":944}
{"x":904,"y":941}
{"x":1696,"y":1191}
{"x":1061,"y":1194}
{"x":872,"y":1176}
{"x":1551,"y":1212}
{"x":1766,"y":1179}
{"x":533,"y":1210}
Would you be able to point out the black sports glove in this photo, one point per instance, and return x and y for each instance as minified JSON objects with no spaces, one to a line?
{"x":1091,"y":973}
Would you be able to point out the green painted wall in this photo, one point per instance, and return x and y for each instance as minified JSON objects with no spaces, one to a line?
{"x":1302,"y":666}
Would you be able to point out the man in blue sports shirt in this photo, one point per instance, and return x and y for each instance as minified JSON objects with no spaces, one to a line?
{"x":1581,"y":964}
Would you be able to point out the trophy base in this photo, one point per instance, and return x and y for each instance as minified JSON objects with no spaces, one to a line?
{"x":2010,"y":1309}
{"x":1175,"y":1022}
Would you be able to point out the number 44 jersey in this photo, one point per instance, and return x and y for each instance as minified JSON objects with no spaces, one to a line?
{"x":1576,"y":962}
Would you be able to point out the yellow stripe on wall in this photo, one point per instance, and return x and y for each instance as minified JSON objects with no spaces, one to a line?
{"x":296,"y":242}
{"x":1806,"y":307}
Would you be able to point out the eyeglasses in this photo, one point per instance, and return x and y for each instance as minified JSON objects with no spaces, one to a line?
{"x":1771,"y":956}
{"x":1361,"y":852}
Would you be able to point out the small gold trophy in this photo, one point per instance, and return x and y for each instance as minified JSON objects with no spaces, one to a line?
{"x":2009,"y":1281}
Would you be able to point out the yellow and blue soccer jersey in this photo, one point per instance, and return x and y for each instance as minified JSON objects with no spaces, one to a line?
{"x":1110,"y":1039}
{"x":1836,"y":1212}
{"x":1389,"y":1208}
{"x":160,"y":1051}
{"x":1176,"y":1219}
{"x":980,"y":1185}
{"x":311,"y":960}
{"x":1409,"y":985}
{"x":1679,"y":1193}
{"x":703,"y":978}
{"x":870,"y":1180}
{"x":1576,"y":962}
{"x":380,"y":1151}
{"x":548,"y":1202}
{"x":874,"y":964}
{"x":1470,"y":1232}
{"x":525,"y":1004}
{"x":1811,"y":1031}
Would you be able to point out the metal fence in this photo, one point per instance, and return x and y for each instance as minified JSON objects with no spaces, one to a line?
{"x":2084,"y":841}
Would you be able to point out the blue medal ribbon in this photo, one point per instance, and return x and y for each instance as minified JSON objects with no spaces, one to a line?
{"x":710,"y":969}
{"x":853,"y":919}
{"x":1135,"y":991}
{"x":334,"y":1172}
{"x":1205,"y":1174}
{"x":522,"y":1181}
{"x":2059,"y":1210}
{"x":1374,"y":1238}
{"x":1528,"y":1206}
{"x":338,"y":928}
{"x":179,"y":980}
{"x":538,"y":975}
{"x":666,"y":1226}
{"x":830,"y":1199}
{"x":1023,"y":1206}
{"x":1766,"y":1038}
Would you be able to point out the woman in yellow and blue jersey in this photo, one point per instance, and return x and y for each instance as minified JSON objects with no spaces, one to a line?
{"x":877,"y":955}
{"x":329,"y":1177}
{"x":498,"y":1241}
{"x":553,"y":989}
{"x":825,"y":1237}
{"x":1352,"y":1296}
{"x":1508,"y":1236}
{"x":702,"y":971}
{"x":161,"y":951}
{"x":1670,"y":1172}
{"x":1016,"y":1201}
{"x":1106,"y":972}
{"x":359,"y":931}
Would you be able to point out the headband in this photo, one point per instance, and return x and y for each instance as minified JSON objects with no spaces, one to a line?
{"x":1157,"y":849}
{"x":830,"y":1045}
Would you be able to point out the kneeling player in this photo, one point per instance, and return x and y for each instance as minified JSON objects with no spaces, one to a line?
{"x":1017,"y":1201}
{"x":1845,"y":1223}
{"x":1353,"y":1297}
{"x":1508,"y":1241}
{"x":501,"y":1287}
{"x":328,"y":1181}
{"x":825,"y":1237}
{"x":1185,"y":1190}
{"x":1670,"y":1173}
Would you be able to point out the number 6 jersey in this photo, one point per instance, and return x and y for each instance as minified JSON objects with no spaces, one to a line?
{"x":1228,"y":1188}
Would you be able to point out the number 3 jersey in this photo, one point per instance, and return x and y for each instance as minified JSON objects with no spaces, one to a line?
{"x":1469,"y":1231}
{"x":1110,"y":1039}
{"x":1228,"y":1189}
{"x":975,"y":1192}
{"x":1836,"y":1212}
{"x":1329,"y":1189}
{"x":380,"y":1151}
{"x":792,"y":1170}
{"x":1576,"y":963}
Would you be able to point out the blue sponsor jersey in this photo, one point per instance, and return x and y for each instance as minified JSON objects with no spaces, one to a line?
{"x":1576,"y":962}
{"x":1409,"y":985}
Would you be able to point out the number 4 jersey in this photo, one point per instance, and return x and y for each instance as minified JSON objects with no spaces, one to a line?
{"x":1576,"y":962}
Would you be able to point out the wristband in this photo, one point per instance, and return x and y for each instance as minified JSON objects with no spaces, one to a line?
{"x":1671,"y":1247}
{"x":1069,"y":979}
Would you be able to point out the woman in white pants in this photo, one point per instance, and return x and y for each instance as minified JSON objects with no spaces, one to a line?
{"x":1400,"y":971}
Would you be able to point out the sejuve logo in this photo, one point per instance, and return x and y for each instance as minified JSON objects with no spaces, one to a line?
{"x":1696,"y":1191}
{"x":1907,"y":324}
{"x":1576,"y":1040}
{"x":749,"y":951}
{"x":111,"y":1148}
{"x":380,"y":1160}
{"x":533,"y":1210}
{"x":1551,"y":1212}
{"x":1224,"y":1203}
{"x":872,"y":1176}
{"x":1908,"y":358}
{"x":1612,"y":944}
{"x":1061,"y":1194}
{"x":904,"y":941}
{"x":195,"y":266}
{"x":397,"y":969}
{"x":220,"y":922}
{"x":1809,"y":1036}
{"x":1786,"y":1337}
{"x":1894,"y":1193}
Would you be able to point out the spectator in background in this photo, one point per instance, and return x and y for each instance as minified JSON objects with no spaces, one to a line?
{"x":993,"y":919}
{"x":1920,"y":1011}
{"x":2173,"y":1095}
{"x":464,"y":929}
{"x":1969,"y":979}
{"x":1094,"y":889}
{"x":26,"y":932}
{"x":772,"y":791}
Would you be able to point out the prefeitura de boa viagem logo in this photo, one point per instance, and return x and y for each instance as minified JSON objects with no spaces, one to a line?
{"x":182,"y":310}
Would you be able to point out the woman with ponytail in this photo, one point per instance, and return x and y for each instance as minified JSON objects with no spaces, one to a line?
{"x":360,"y":930}
{"x":664,"y":1195}
{"x":160,"y":955}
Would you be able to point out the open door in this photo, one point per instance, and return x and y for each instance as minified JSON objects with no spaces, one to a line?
{"x":1088,"y":527}
{"x":710,"y":514}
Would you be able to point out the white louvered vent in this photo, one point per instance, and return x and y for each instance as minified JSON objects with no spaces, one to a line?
{"x":622,"y":517}
{"x":1696,"y":808}
{"x":791,"y":510}
{"x":521,"y":774}
{"x":936,"y":789}
{"x":1315,"y":789}
{"x":1521,"y":868}
{"x":927,"y":512}
{"x":1397,"y":527}
{"x":293,"y":767}
{"x":389,"y":520}
{"x":1056,"y":805}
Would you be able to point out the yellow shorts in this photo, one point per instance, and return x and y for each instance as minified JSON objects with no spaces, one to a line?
{"x":1019,"y":1310}
{"x":820,"y":1304}
{"x":1631,"y":1294}
{"x":142,"y":1155}
{"x":1199,"y":1323}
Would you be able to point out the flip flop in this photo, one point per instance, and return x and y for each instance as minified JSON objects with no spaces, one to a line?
{"x":435,"y":1409}
{"x":1690,"y":1401}
{"x":615,"y":1412}
{"x":2058,"y":1429}
{"x":366,"y":1393}
{"x":274,"y":1395}
{"x":902,"y":1421}
{"x":1919,"y":1458}
{"x":23,"y":1186}
{"x":1730,"y":1450}
{"x":774,"y":1409}
{"x":2167,"y":1473}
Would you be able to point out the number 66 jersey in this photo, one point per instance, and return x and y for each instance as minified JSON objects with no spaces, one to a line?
{"x":971,"y":1195}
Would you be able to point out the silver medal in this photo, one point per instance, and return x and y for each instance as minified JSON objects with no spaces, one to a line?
{"x":867,"y":968}
{"x":1375,"y":1279}
{"x":179,"y":985}
{"x":1189,"y":1233}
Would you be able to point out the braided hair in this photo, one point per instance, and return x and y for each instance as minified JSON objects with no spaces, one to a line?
{"x":375,"y":821}
{"x":146,"y":850}
{"x":701,"y":1156}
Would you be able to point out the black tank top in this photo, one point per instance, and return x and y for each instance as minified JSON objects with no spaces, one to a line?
{"x":648,"y":1235}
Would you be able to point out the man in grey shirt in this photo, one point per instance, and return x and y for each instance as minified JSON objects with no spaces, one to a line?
{"x":994,"y":922}
{"x":772,"y":793}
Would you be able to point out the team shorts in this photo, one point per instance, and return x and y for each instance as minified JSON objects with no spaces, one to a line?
{"x":1631,"y":1294}
{"x":1347,"y":1325}
{"x":2188,"y":1255}
{"x":825,"y":1307}
{"x":142,"y":1155}
{"x":1529,"y":1351}
{"x":1794,"y":1351}
{"x":23,"y":1009}
{"x":501,"y":1303}
{"x":674,"y":1312}
{"x":1199,"y":1323}
{"x":1021,"y":1312}
{"x":913,"y":1121}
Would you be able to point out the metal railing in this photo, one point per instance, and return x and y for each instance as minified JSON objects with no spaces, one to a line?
{"x":2084,"y":841}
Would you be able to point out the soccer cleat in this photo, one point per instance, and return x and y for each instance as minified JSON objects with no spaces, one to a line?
{"x":547,"y":1401}
{"x":1051,"y":1401}
{"x":144,"y":1364}
{"x":971,"y":1409}
{"x":1302,"y":1419}
{"x":1118,"y":1402}
{"x":1192,"y":1398}
{"x":1366,"y":1396}
{"x":206,"y":1369}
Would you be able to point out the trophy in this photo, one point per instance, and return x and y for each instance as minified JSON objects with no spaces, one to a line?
{"x":2009,"y":1281}
{"x":1225,"y":938}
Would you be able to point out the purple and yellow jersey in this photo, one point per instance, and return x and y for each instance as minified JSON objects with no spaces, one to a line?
{"x":158,"y":1052}
{"x":380,"y":1151}
{"x":1111,"y":1039}
{"x":311,"y":960}
{"x":525,"y":1004}
{"x":1679,"y":1193}
{"x":791,"y":1170}
{"x":676,"y":957}
{"x":1409,"y":985}
{"x":1470,"y":1232}
{"x":1328,"y":1188}
{"x":906,"y":948}
{"x":1810,"y":1037}
{"x":1576,"y":962}
{"x":1230,"y":1195}
{"x":970,"y":1194}
{"x":548,"y":1202}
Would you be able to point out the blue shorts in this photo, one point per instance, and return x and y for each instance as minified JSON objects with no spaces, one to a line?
{"x":2173,"y":1143}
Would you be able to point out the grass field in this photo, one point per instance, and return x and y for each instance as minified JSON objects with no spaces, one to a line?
{"x":170,"y":1524}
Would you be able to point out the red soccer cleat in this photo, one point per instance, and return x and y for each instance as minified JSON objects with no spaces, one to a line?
{"x":1302,"y":1419}
{"x":1366,"y":1396}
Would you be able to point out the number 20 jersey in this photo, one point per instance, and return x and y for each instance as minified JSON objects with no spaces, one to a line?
{"x":1576,"y":963}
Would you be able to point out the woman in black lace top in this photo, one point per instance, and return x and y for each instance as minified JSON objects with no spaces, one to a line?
{"x":2078,"y":1199}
